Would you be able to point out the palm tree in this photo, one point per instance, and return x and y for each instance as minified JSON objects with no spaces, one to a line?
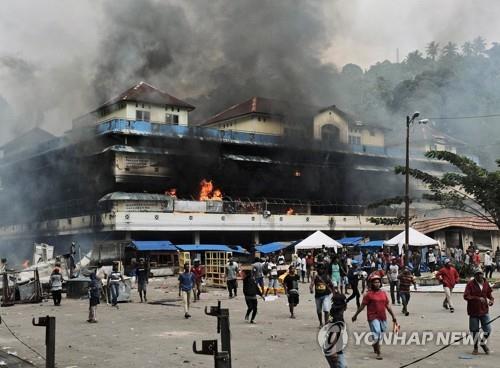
{"x":478,"y":45}
{"x":467,"y":49}
{"x":432,"y":50}
{"x":450,"y":49}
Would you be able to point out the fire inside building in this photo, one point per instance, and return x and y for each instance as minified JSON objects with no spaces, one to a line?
{"x":135,"y":168}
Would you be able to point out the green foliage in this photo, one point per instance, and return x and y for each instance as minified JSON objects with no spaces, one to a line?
{"x":470,"y":189}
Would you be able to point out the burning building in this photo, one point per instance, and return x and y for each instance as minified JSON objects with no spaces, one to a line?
{"x":135,"y":168}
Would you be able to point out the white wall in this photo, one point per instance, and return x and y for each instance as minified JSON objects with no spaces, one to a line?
{"x":157,"y":113}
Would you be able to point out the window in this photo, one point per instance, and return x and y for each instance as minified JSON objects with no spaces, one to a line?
{"x":354,"y":140}
{"x":142,"y":115}
{"x":172,"y":119}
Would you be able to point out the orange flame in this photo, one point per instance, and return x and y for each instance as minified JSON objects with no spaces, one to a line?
{"x":217,"y":195}
{"x":290,"y":211}
{"x":26,"y":264}
{"x":207,"y":191}
{"x":171,"y":192}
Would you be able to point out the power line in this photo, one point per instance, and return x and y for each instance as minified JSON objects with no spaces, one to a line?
{"x":444,"y":347}
{"x":465,"y":117}
{"x":21,"y":341}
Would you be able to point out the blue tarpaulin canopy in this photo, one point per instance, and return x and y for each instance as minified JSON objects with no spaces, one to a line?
{"x":272,"y":247}
{"x":156,"y":245}
{"x":210,"y":247}
{"x":373,"y":244}
{"x":351,"y":241}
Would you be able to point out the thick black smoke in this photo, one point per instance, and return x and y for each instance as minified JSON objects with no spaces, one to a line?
{"x":218,"y":53}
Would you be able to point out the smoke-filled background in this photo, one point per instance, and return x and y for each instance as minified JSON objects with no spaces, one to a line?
{"x":59,"y":60}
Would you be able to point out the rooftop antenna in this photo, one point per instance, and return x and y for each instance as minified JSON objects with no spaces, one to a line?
{"x":397,"y":55}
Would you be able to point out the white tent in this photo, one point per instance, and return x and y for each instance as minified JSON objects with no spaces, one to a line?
{"x":316,"y":241}
{"x":416,"y":239}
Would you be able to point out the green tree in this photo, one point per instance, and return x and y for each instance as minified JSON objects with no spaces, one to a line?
{"x":478,"y":45}
{"x":470,"y":188}
{"x":467,"y":49}
{"x":432,"y":50}
{"x":450,"y":50}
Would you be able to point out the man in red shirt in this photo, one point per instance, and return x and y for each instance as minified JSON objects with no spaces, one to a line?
{"x":448,"y":276}
{"x":479,"y":299}
{"x":377,"y":303}
{"x":198,"y":271}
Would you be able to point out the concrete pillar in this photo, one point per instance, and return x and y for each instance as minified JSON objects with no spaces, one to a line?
{"x":128,"y":235}
{"x":196,"y":237}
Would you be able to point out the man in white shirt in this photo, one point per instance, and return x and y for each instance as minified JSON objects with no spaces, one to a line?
{"x":394,"y":281}
{"x":273,"y":278}
{"x":303,"y":268}
{"x":488,"y":265}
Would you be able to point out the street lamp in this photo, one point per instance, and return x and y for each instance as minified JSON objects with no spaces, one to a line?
{"x":409,"y":121}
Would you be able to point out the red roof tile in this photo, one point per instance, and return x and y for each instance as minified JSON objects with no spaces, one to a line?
{"x":262,"y":106}
{"x":474,"y":223}
{"x":144,"y":92}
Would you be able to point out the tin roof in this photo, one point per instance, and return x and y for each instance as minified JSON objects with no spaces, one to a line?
{"x":474,"y":223}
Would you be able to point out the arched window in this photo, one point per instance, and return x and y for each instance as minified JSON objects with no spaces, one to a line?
{"x":330,"y":133}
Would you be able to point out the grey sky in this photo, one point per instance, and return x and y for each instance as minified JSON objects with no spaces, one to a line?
{"x":49,"y":49}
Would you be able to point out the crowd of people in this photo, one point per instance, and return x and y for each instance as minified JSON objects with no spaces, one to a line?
{"x":334,"y":279}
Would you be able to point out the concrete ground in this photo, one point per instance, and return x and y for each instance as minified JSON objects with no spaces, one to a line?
{"x":157,"y":335}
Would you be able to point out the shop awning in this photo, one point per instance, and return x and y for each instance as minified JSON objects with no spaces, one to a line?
{"x":357,"y":240}
{"x":210,"y":248}
{"x":373,"y":244}
{"x":272,"y":247}
{"x":156,"y":245}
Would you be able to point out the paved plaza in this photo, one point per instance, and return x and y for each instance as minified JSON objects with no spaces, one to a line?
{"x":157,"y":335}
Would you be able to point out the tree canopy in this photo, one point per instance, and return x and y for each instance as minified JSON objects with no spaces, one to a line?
{"x":470,"y":188}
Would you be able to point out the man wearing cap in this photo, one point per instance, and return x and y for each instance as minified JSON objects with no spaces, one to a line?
{"x":448,"y":276}
{"x":479,"y":298}
{"x":376,"y":303}
{"x":488,"y":265}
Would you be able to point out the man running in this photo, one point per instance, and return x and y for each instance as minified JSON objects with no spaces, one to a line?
{"x":291,"y":284}
{"x":323,"y":288}
{"x":406,"y":279}
{"x":479,"y":298}
{"x":449,"y":277}
{"x":353,"y":277}
{"x":187,"y":281}
{"x":258,"y":273}
{"x":251,"y":290}
{"x":376,"y":303}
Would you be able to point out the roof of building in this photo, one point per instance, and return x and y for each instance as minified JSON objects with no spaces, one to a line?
{"x":472,"y":222}
{"x":145,"y":92}
{"x":156,"y":245}
{"x":259,"y":105}
{"x":28,"y":139}
{"x":351,"y":118}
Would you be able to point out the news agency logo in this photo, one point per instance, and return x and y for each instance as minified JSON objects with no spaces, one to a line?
{"x":333,"y":338}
